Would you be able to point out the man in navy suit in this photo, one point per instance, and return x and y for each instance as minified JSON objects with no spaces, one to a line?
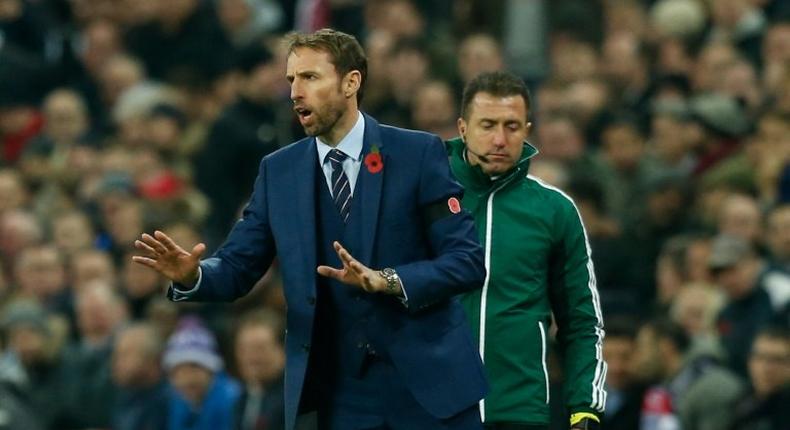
{"x":373,"y":246}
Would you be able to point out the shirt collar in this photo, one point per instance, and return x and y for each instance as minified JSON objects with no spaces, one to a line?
{"x":350,"y":144}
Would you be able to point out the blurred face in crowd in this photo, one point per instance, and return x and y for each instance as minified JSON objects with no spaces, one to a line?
{"x":18,"y":230}
{"x":99,"y":311}
{"x":264,"y":82}
{"x":10,"y":9}
{"x":28,"y":343}
{"x":618,"y":352}
{"x":741,"y":217}
{"x":433,"y":107}
{"x":623,"y":146}
{"x":668,"y":138}
{"x":695,"y":308}
{"x":13,"y":193}
{"x":711,"y":60}
{"x":779,"y":233}
{"x":496,"y":127}
{"x":66,"y":116}
{"x":135,"y":360}
{"x":769,"y":364}
{"x":739,"y":279}
{"x":72,"y":232}
{"x":40,"y":272}
{"x":401,"y":19}
{"x":408,"y":69}
{"x":776,"y":44}
{"x":233,"y":14}
{"x":123,"y":219}
{"x":117,"y":74}
{"x":323,"y":100}
{"x":646,"y":361}
{"x":260,"y":356}
{"x":192,"y":381}
{"x":560,"y":139}
{"x":102,"y":41}
{"x":92,"y":265}
{"x":477,"y":54}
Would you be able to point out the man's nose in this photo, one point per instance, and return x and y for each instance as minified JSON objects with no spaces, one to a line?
{"x":296,"y":91}
{"x":499,"y":138}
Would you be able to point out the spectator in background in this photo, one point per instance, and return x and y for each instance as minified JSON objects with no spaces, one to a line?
{"x":778,"y":237}
{"x":18,"y":230}
{"x":247,"y":21}
{"x":202,"y":396}
{"x":433,"y":109}
{"x":736,"y":270}
{"x":91,"y":265}
{"x":38,"y":372}
{"x":621,"y":169}
{"x":623,"y":392}
{"x":408,"y":68}
{"x":140,"y":286}
{"x":478,"y":53}
{"x":260,"y":359}
{"x":14,"y":192}
{"x":66,"y":125}
{"x":40,"y":275}
{"x":100,"y":314}
{"x":141,"y":392}
{"x":247,"y":130}
{"x":740,"y":217}
{"x":769,"y":373}
{"x":72,"y":232}
{"x":689,"y":392}
{"x":20,"y":121}
{"x":174,"y":43}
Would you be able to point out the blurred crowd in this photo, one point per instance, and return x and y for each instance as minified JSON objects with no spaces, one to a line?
{"x":668,"y":121}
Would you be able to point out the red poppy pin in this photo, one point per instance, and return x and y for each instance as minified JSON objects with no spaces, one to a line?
{"x":454,"y":205}
{"x":373,"y":160}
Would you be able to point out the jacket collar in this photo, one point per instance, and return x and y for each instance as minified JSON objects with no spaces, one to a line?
{"x":473,"y":176}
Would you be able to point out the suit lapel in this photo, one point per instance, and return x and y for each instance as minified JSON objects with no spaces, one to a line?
{"x":303,"y":180}
{"x":369,"y":186}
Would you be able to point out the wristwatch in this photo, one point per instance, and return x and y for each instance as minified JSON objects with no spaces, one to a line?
{"x":392,"y":278}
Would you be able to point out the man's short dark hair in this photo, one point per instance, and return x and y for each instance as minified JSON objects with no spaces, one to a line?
{"x":345,"y":52}
{"x":665,"y":328}
{"x":499,"y":84}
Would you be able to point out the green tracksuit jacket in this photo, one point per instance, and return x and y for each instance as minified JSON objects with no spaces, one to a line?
{"x":538,"y":261}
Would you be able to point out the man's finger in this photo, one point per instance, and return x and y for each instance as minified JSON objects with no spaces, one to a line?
{"x":198,"y":250}
{"x":145,"y":261}
{"x":167,"y":242}
{"x":143,"y":247}
{"x":357,"y":267}
{"x":153,"y":243}
{"x":330,"y":272}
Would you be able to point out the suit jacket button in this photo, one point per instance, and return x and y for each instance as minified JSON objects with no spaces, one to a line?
{"x":311,"y":301}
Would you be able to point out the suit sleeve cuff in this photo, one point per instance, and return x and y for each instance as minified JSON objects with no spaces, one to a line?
{"x":179,"y":293}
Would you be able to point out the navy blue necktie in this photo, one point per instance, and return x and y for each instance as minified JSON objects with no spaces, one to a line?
{"x":341,"y":188}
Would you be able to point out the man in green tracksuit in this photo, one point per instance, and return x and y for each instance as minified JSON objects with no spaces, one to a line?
{"x":538,"y":262}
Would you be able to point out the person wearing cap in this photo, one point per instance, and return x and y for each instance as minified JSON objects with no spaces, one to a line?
{"x":737,"y":269}
{"x":720,"y":122}
{"x":203,"y":397}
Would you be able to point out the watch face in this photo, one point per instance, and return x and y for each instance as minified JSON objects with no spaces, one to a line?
{"x":388,"y":272}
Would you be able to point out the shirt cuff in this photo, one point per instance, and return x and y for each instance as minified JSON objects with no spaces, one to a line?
{"x":179,"y":294}
{"x":405,"y":299}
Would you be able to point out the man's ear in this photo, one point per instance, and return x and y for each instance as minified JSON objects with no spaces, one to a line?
{"x":461,"y":124}
{"x":352,"y":83}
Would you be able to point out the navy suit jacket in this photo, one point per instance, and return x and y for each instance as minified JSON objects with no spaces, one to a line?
{"x":436,"y":256}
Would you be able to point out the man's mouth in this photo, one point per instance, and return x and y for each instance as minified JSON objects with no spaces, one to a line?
{"x":303,"y":113}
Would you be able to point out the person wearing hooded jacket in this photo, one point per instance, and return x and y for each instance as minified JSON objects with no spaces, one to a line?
{"x":538,"y":260}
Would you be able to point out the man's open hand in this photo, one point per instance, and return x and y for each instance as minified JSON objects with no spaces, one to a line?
{"x":169,"y":259}
{"x":355,"y":273}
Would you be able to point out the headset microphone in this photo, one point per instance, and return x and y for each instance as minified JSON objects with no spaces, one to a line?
{"x":481,"y":157}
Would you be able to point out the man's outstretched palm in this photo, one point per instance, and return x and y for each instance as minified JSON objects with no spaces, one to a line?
{"x":169,"y":259}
